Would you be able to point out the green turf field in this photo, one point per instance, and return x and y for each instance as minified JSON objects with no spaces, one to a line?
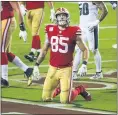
{"x":102,"y":99}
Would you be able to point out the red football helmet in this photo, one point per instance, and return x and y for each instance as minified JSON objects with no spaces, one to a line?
{"x":62,"y":16}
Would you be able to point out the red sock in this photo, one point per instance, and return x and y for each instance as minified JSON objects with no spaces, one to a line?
{"x":56,"y":92}
{"x":10,"y":56}
{"x":4,"y":59}
{"x":74,"y":94}
{"x":36,"y":43}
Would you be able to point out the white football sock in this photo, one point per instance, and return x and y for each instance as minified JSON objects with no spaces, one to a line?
{"x":33,"y":50}
{"x":77,"y":60}
{"x":19,"y":63}
{"x":39,"y":50}
{"x":97,"y":58}
{"x":5,"y":72}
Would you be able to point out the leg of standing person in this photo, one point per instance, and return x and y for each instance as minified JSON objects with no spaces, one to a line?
{"x":7,"y":26}
{"x":34,"y":19}
{"x":93,"y":46}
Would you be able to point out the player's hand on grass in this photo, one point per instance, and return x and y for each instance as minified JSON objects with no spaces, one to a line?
{"x":82,"y":70}
{"x":36,"y":73}
{"x":52,"y":15}
{"x":23,"y":33}
{"x":23,"y":10}
{"x":93,"y":25}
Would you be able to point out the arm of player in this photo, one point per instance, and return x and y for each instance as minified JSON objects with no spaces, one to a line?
{"x":103,"y":12}
{"x":16,"y":7}
{"x":102,"y":7}
{"x":84,"y":49}
{"x":23,"y":8}
{"x":41,"y":57}
{"x":23,"y":33}
{"x":52,"y":11}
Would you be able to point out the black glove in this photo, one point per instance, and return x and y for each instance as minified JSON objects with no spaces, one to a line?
{"x":22,"y":26}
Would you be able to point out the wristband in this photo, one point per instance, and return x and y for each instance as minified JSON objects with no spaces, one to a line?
{"x":84,"y":62}
{"x":22,"y":26}
{"x":37,"y":64}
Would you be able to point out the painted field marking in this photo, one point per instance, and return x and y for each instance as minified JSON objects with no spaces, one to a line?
{"x":41,"y":66}
{"x":107,"y":85}
{"x":13,"y":113}
{"x":108,"y":27}
{"x":59,"y":106}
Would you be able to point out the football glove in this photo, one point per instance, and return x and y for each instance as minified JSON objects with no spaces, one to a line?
{"x":23,"y":10}
{"x":36,"y":73}
{"x":93,"y":25}
{"x":82,"y":70}
{"x":52,"y":15}
{"x":23,"y":33}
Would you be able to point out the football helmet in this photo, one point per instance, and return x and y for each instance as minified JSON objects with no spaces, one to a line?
{"x":62,"y":17}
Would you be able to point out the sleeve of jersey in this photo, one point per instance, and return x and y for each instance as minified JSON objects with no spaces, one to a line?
{"x":46,"y":34}
{"x":78,"y":31}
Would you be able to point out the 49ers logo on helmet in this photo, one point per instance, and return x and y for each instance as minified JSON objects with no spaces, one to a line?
{"x":62,"y":16}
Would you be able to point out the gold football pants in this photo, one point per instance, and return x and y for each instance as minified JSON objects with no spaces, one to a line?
{"x":53,"y":78}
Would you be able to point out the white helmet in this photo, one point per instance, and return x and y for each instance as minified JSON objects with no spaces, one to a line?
{"x":62,"y":20}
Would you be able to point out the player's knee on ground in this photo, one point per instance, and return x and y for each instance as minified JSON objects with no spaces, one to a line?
{"x":64,"y":97}
{"x":46,"y":98}
{"x":46,"y":95}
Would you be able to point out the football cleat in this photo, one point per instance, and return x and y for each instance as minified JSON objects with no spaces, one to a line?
{"x":84,"y":93}
{"x":28,"y":74}
{"x":30,"y":56}
{"x":4,"y":83}
{"x":56,"y":92}
{"x":98,"y":75}
{"x":35,"y":57}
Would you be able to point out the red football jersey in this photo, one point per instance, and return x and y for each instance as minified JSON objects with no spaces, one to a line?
{"x":62,"y":43}
{"x":7,"y":10}
{"x":34,"y":5}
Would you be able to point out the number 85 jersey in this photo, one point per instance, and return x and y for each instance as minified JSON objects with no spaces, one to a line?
{"x":62,"y":44}
{"x":88,"y":12}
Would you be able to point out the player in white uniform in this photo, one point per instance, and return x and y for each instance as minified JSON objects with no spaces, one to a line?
{"x":89,"y":23}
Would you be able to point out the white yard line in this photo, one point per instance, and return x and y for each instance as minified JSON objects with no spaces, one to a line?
{"x":14,"y":113}
{"x":108,"y":27}
{"x":42,"y":66}
{"x":104,"y":39}
{"x":58,"y":106}
{"x":107,"y":85}
{"x":101,"y":27}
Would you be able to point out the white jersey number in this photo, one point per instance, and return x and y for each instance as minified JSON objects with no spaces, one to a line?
{"x":55,"y":41}
{"x":84,"y":8}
